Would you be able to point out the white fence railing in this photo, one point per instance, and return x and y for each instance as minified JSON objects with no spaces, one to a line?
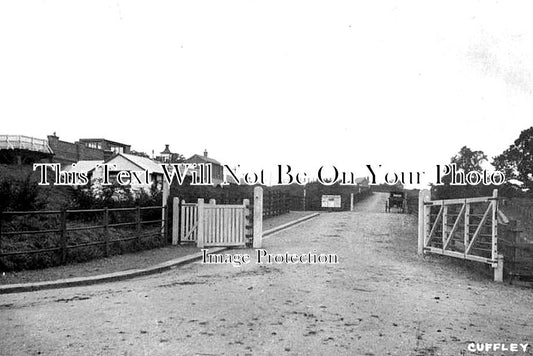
{"x":11,"y":142}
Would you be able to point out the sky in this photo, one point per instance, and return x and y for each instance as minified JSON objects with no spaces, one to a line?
{"x":402,"y":84}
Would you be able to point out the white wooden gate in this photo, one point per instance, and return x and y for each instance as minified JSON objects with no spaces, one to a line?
{"x":223,"y":225}
{"x":189,"y":221}
{"x":463,"y":228}
{"x":211,"y":224}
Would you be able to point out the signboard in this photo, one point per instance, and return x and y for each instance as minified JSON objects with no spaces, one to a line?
{"x":331,"y":201}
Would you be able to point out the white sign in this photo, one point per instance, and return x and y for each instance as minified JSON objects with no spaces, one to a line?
{"x":331,"y":201}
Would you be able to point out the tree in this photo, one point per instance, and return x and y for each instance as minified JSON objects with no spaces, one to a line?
{"x":467,"y":161}
{"x":177,"y":158}
{"x":516,"y":162}
{"x":140,"y":154}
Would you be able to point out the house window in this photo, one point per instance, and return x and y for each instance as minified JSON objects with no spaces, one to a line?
{"x":93,"y":145}
{"x":117,"y":149}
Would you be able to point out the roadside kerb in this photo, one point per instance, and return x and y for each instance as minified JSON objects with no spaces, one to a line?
{"x":132,"y":273}
{"x":268,"y":233}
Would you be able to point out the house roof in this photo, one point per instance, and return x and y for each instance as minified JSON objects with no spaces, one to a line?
{"x":83,"y":166}
{"x":101,"y":140}
{"x":142,"y":162}
{"x":166,"y":151}
{"x":195,"y":158}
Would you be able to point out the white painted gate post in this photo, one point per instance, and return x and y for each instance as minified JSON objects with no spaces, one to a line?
{"x":175,"y":220}
{"x":164,"y":208}
{"x":498,"y":271}
{"x":258,"y":217}
{"x":248,"y":217}
{"x":200,"y":227}
{"x":423,"y":196}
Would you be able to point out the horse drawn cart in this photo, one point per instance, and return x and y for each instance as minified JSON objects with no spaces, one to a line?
{"x":396,"y":200}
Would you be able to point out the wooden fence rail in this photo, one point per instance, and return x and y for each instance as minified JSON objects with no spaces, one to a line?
{"x":63,"y":229}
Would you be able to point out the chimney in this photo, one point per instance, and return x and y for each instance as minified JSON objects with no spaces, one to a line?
{"x":205,"y":153}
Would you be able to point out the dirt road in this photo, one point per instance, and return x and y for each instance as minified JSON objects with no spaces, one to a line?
{"x":380,"y":299}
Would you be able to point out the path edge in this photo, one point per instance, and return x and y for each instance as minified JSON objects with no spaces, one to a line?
{"x":127,"y":274}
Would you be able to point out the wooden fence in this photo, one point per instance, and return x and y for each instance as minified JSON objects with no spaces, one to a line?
{"x":275,"y":203}
{"x":18,"y":228}
{"x":517,"y":252}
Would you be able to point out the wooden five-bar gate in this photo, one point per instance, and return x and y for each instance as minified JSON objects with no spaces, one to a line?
{"x":463,"y":228}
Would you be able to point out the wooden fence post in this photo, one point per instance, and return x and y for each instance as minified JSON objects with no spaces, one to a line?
{"x":138,"y":224}
{"x":106,"y":232}
{"x":303,"y":200}
{"x":175,"y":220}
{"x":270,"y":203}
{"x":513,"y":237}
{"x":182,"y":220}
{"x":258,"y":217}
{"x":200,"y":223}
{"x":164,"y":210}
{"x":351,"y":201}
{"x":494,"y":247}
{"x":1,"y":258}
{"x":249,"y":220}
{"x":423,"y":196}
{"x":63,"y":235}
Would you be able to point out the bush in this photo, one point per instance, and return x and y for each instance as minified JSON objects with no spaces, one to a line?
{"x":16,"y":194}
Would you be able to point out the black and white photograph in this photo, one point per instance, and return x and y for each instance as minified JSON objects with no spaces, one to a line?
{"x":266,"y":177}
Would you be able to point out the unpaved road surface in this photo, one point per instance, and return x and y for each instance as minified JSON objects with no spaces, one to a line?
{"x":380,"y":299}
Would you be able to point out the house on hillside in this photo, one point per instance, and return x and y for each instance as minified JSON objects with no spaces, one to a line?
{"x":217,"y":169}
{"x":144,"y":171}
{"x":135,"y":172}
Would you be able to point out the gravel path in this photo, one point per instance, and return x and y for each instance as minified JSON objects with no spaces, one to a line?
{"x":380,"y":299}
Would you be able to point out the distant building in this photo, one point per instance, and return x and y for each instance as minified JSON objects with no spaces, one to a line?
{"x":86,"y":149}
{"x":166,"y":155}
{"x":216,"y":167}
{"x":68,"y":152}
{"x":109,"y":147}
